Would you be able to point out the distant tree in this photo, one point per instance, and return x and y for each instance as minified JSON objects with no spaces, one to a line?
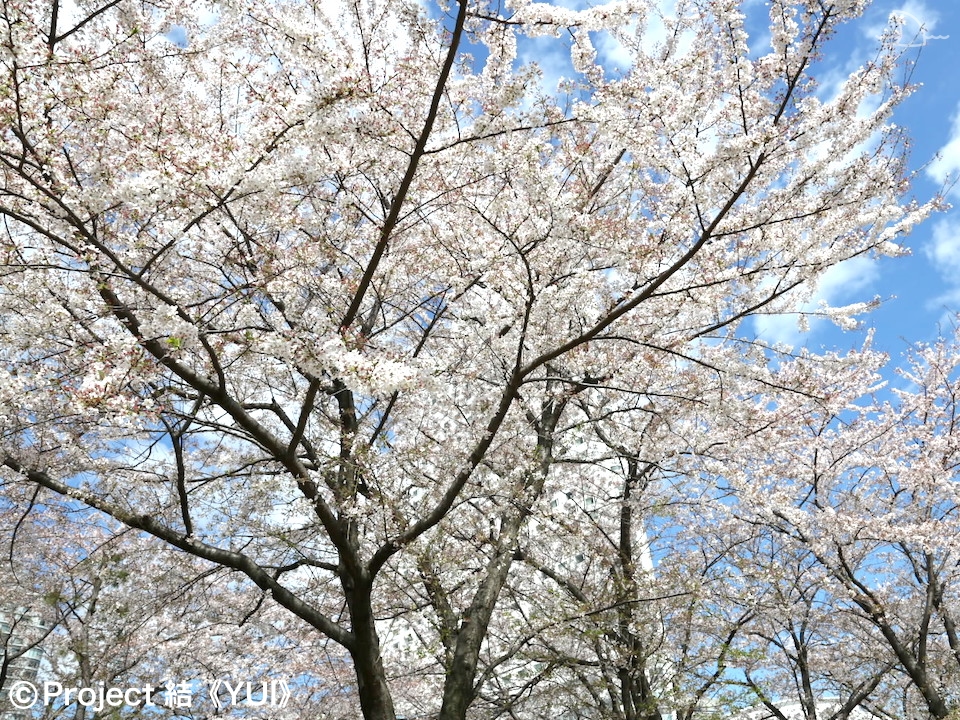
{"x":868,"y":493}
{"x":307,"y":292}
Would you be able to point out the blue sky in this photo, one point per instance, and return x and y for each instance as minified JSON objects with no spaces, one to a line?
{"x":920,"y":293}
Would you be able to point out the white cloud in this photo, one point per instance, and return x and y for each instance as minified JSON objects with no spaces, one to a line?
{"x":917,"y":24}
{"x":611,"y":51}
{"x":944,"y":250}
{"x":656,"y":27}
{"x":552,"y":56}
{"x":777,"y":329}
{"x":842,"y":281}
{"x":946,"y":167}
{"x":917,"y":21}
{"x":839,"y":284}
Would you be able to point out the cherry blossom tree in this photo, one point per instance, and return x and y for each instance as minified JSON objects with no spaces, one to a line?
{"x":732,"y":615}
{"x":871,"y":496}
{"x":328,"y":296}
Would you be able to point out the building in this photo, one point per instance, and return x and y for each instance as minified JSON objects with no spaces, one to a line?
{"x":794,"y":711}
{"x":21,"y":634}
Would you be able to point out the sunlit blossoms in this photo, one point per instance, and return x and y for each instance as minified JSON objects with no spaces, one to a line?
{"x":341,"y":347}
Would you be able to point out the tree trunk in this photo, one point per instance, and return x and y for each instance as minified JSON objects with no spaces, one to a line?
{"x":376,"y":702}
{"x":458,"y":689}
